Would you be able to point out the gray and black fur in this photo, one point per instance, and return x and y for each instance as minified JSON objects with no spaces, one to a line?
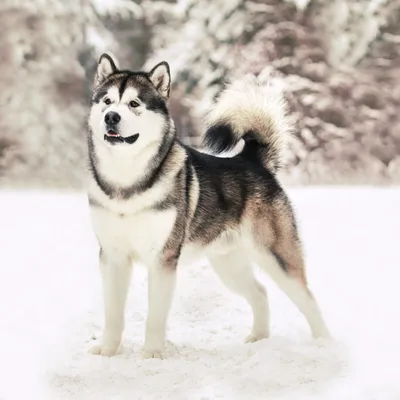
{"x":232,"y":210}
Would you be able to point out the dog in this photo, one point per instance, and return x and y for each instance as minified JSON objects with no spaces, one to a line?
{"x":157,"y":201}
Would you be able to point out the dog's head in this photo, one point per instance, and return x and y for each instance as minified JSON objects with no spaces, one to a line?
{"x":129,"y":109}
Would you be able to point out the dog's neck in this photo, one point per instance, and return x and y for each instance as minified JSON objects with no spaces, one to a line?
{"x":121,"y":168}
{"x":121,"y":174}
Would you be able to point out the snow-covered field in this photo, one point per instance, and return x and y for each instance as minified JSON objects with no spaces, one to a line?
{"x":50,"y":311}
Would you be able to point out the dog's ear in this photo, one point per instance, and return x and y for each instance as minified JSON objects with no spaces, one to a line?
{"x":161,"y":79}
{"x":106,"y":66}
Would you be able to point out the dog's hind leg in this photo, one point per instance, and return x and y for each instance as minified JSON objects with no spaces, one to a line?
{"x":237,"y":273}
{"x":294,"y":285}
{"x":286,"y":268}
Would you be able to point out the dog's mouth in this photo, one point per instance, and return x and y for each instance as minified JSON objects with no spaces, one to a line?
{"x":114,"y":137}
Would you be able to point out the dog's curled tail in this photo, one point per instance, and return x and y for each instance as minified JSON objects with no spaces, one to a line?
{"x":254,"y":112}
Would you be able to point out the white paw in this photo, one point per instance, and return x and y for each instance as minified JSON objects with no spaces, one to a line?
{"x":153,"y":353}
{"x":322,"y":334}
{"x":256,"y":336}
{"x":104,"y":350}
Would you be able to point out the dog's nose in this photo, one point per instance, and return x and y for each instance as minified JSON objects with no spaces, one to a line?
{"x":112,"y":118}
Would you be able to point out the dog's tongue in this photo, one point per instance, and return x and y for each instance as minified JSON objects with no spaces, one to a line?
{"x":112,"y":133}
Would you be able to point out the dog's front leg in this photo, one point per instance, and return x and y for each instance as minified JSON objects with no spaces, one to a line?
{"x":116,"y":275}
{"x":161,"y":285}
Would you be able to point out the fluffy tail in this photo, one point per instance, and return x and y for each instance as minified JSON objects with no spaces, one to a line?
{"x":253,"y":112}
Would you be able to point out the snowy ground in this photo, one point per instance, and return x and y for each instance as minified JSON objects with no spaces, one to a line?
{"x":50,"y":311}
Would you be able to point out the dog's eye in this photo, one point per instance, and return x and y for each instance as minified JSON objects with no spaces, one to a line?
{"x":107,"y":101}
{"x":133,"y":104}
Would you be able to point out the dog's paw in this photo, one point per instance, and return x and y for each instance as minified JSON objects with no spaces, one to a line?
{"x":104,"y":350}
{"x":153,"y":353}
{"x":324,"y":335}
{"x":256,"y":336}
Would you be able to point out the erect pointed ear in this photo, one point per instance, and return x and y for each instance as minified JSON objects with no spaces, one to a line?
{"x":161,"y":78}
{"x":106,"y":66}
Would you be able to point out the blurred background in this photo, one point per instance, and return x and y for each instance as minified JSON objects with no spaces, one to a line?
{"x":337,"y":60}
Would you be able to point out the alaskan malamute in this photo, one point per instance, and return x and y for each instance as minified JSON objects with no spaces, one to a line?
{"x":155,"y":201}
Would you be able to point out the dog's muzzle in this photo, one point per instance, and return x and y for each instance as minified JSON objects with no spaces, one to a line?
{"x":112,"y":120}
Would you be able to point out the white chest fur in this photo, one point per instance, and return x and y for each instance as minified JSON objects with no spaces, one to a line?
{"x":141,"y":235}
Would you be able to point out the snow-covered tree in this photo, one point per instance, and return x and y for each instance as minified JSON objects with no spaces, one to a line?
{"x":338,"y":61}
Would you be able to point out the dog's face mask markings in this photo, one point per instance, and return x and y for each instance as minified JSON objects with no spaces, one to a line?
{"x":122,"y":122}
{"x":129,"y":109}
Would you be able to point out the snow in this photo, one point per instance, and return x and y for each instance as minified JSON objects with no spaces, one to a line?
{"x":50,"y":311}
